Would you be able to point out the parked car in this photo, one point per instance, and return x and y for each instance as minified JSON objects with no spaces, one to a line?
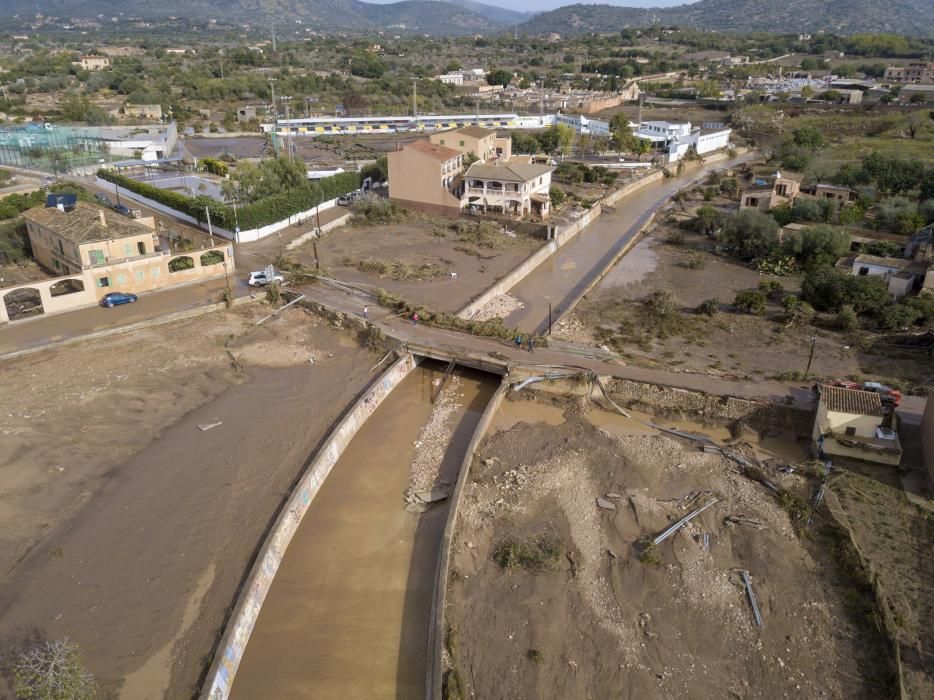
{"x":349,"y":198}
{"x":103,"y":199}
{"x":126,"y":211}
{"x":260,"y":278}
{"x":117,"y":298}
{"x":888,"y":395}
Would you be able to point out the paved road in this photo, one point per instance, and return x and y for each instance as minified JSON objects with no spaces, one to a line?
{"x":563,"y":278}
{"x":46,"y":329}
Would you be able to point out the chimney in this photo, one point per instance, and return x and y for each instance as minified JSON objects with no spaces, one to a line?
{"x":100,"y":213}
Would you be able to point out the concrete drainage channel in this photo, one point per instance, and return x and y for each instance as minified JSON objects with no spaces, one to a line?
{"x":341,"y":599}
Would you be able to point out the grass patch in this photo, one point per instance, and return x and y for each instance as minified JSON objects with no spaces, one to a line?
{"x":535,"y":555}
{"x":397,"y":270}
{"x":648,"y":552}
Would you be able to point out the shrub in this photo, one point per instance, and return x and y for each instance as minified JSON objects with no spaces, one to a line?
{"x":770,"y":288}
{"x":694,"y":261}
{"x":816,"y":245}
{"x":749,"y":234}
{"x":805,"y":209}
{"x":709,"y":307}
{"x":898,"y":317}
{"x":750,"y":301}
{"x":535,"y":555}
{"x":707,"y":221}
{"x":674,"y":238}
{"x":846,"y":319}
{"x":377,"y":211}
{"x":557,"y":196}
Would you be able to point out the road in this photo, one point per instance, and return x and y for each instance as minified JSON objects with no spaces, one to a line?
{"x":567,"y":274}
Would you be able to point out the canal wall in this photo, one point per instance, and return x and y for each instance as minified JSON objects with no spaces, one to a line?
{"x":239,"y":627}
{"x":436,"y":625}
{"x":562,"y":236}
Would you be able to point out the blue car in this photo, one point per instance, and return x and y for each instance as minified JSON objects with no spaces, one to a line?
{"x":117,"y":298}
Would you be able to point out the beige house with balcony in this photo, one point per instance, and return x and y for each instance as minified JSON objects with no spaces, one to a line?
{"x":94,"y":252}
{"x":851,"y":423}
{"x":481,"y":143}
{"x":512,"y":188}
{"x":428,"y":176}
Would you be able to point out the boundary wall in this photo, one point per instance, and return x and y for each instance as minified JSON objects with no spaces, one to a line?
{"x":248,"y":236}
{"x":239,"y":627}
{"x":436,"y":628}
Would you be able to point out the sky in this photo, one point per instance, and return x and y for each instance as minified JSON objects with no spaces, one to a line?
{"x":542,"y":5}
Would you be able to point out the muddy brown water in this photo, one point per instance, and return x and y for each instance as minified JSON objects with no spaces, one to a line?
{"x":567,"y":273}
{"x":347,"y":614}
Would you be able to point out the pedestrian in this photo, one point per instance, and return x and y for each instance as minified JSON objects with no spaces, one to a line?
{"x":519,"y":342}
{"x":414,"y":319}
{"x":530,"y":344}
{"x":366,"y":311}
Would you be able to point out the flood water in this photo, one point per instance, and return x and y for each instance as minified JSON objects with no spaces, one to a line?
{"x":765,"y":446}
{"x":567,"y":273}
{"x":347,"y":614}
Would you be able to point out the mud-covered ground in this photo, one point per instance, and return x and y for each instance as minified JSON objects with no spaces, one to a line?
{"x":126,"y":527}
{"x":553,"y":596}
{"x":684,"y":266}
{"x":477,"y":259}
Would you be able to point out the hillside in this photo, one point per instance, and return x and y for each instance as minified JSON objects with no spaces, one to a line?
{"x":421,"y":16}
{"x":913,"y":17}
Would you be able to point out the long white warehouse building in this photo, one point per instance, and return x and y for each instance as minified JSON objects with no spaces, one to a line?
{"x":323,"y":126}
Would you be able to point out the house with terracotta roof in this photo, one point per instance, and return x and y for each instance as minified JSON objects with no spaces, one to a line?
{"x":477,"y":141}
{"x":426,"y":175}
{"x":511,"y":187}
{"x":852,"y":423}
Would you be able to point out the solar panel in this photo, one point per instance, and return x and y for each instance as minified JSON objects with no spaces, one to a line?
{"x":67,"y":201}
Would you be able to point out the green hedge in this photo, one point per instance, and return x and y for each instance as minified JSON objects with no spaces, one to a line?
{"x":262,"y":213}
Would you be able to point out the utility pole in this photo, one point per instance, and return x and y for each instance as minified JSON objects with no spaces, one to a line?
{"x":415,"y":99}
{"x":273,"y":23}
{"x":275,"y":115}
{"x":288,"y":125}
{"x":811,"y":356}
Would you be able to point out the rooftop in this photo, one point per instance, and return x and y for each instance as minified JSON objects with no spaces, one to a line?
{"x":852,"y":401}
{"x":439,"y":153}
{"x":894,"y":263}
{"x":474,"y":132}
{"x":508,"y":172}
{"x":83,"y":223}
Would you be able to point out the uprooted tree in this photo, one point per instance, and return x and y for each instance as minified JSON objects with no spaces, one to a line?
{"x":53,"y":670}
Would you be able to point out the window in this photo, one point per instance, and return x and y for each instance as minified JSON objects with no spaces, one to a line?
{"x":851,"y":430}
{"x":103,"y":281}
{"x":155,"y":272}
{"x":96,"y":257}
{"x":442,"y":142}
{"x":141,"y":247}
{"x":55,"y":262}
{"x":127,"y":250}
{"x":864,"y":270}
{"x":61,"y":248}
{"x":121,"y":279}
{"x":140,"y":275}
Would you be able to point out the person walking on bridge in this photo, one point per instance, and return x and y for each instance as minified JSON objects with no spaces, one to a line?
{"x":530,"y":346}
{"x":414,"y":319}
{"x":366,"y":311}
{"x":519,"y":341}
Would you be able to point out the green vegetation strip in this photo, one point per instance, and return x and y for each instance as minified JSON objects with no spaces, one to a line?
{"x":267,"y":211}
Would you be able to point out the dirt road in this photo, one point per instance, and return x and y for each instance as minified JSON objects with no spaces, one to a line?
{"x":126,"y":527}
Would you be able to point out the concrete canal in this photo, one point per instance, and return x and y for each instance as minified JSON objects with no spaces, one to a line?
{"x":348,"y":612}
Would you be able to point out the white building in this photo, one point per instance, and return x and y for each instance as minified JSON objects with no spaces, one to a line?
{"x":900,"y":274}
{"x":584,"y":125}
{"x":676,"y":139}
{"x":452,"y":78}
{"x":511,"y":187}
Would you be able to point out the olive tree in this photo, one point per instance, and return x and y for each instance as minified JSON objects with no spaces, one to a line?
{"x":53,"y":670}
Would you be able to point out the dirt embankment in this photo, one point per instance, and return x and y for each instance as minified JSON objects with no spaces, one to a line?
{"x":125,"y":526}
{"x":554,"y":595}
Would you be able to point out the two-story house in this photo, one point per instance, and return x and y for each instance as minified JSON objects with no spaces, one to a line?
{"x":426,"y":175}
{"x":513,"y":188}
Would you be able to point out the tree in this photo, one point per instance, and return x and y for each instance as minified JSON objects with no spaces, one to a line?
{"x":891,"y":174}
{"x":816,"y":245}
{"x":899,"y":214}
{"x":795,"y":157}
{"x":846,"y":319}
{"x":898,"y":317}
{"x":805,"y":209}
{"x":564,"y":137}
{"x":499,"y":77}
{"x":809,"y":137}
{"x":750,"y":301}
{"x":557,"y":196}
{"x":749,"y":234}
{"x":707,"y":220}
{"x":53,"y":670}
{"x":367,"y":65}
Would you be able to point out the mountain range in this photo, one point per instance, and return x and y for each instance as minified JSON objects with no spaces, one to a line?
{"x":912,"y":17}
{"x":465,"y":17}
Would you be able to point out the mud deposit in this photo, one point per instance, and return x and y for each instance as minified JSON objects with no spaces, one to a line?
{"x":122,"y":524}
{"x":584,"y":610}
{"x":347,"y":615}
